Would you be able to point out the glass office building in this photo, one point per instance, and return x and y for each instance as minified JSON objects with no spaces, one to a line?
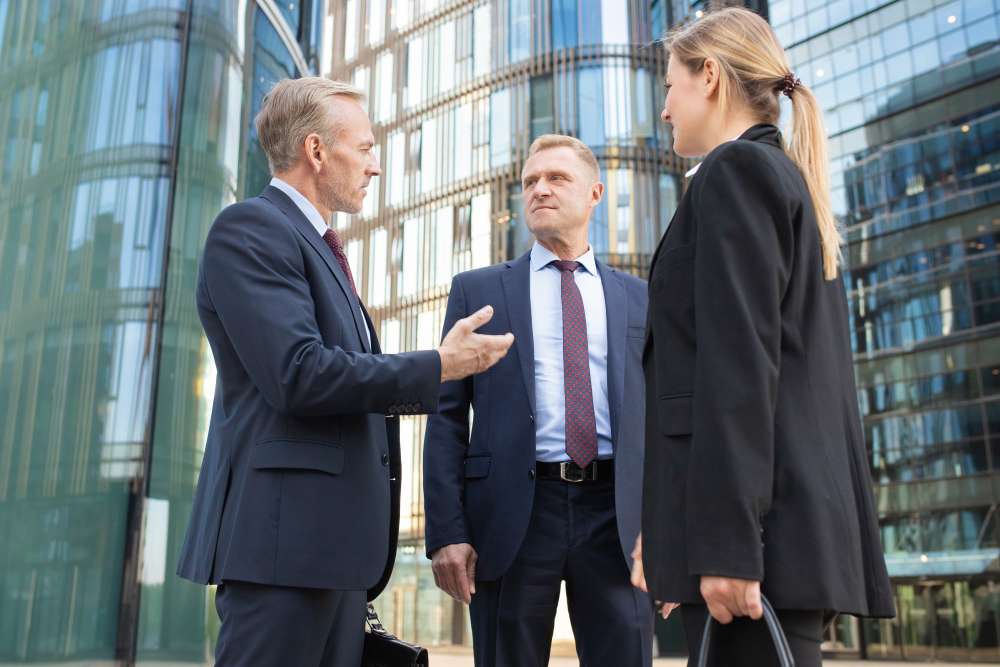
{"x":126,"y":127}
{"x":457,"y":92}
{"x":911,"y":95}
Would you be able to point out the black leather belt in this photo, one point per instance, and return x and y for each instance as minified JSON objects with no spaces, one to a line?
{"x":602,"y":470}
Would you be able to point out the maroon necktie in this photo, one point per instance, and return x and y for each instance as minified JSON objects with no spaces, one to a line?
{"x":581,"y":425}
{"x":337,"y":247}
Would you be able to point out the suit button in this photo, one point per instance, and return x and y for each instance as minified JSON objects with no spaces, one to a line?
{"x":385,"y":459}
{"x":531,"y":473}
{"x":531,"y":417}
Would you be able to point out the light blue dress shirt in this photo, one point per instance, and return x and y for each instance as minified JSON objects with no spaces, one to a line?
{"x":317,"y":221}
{"x":547,"y":335}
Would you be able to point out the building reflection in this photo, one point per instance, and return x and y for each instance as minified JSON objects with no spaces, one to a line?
{"x":125,"y":131}
{"x":909,"y":91}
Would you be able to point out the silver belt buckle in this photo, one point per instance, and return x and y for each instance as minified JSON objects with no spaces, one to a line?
{"x":575,"y":477}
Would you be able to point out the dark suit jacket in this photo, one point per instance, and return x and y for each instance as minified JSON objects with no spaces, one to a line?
{"x":480,"y":490}
{"x":294,"y":489}
{"x":755,"y":459}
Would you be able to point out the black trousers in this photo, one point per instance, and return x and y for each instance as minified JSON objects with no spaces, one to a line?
{"x":747,"y":643}
{"x":573,"y":537}
{"x":276,"y":626}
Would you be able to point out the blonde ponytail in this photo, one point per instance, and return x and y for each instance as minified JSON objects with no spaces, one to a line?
{"x":753,"y":70}
{"x":808,"y":150}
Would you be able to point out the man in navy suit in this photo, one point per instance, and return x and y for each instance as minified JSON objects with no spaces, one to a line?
{"x":547,"y":488}
{"x":296,"y":511}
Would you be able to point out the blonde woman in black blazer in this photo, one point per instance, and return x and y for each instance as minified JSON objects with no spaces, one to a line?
{"x":756,"y":478}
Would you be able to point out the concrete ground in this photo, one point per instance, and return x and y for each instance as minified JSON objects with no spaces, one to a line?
{"x":462,"y":658}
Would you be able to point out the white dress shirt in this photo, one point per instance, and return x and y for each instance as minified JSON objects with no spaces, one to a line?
{"x":317,"y":221}
{"x":547,"y":336}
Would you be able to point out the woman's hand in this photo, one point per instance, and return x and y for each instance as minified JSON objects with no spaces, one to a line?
{"x":639,"y":579}
{"x":728,"y":598}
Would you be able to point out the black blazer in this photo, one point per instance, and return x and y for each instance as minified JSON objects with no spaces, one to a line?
{"x":755,"y":459}
{"x":480,"y":488}
{"x":295,"y":486}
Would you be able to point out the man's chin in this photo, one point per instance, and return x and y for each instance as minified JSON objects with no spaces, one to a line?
{"x":350,"y":208}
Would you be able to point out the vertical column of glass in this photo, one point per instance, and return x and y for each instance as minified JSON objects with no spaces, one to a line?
{"x":272,"y":61}
{"x":87,"y":119}
{"x":177,"y":623}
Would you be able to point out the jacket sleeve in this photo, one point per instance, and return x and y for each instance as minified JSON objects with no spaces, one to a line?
{"x":742,"y":261}
{"x":445,"y":445}
{"x":255,"y":278}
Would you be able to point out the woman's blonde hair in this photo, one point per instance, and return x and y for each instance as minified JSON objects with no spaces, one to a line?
{"x":753,"y":70}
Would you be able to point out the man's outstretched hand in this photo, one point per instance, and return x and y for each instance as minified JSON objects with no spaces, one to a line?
{"x":465,"y":352}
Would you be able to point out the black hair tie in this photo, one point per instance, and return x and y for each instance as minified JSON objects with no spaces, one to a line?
{"x":789,"y":84}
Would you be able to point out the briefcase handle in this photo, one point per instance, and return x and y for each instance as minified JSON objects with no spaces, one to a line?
{"x":785,"y":658}
{"x":373,"y":622}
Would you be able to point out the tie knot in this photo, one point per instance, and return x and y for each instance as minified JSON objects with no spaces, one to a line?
{"x":333,"y":240}
{"x":566,"y":265}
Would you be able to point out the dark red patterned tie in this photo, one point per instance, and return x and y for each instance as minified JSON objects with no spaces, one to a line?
{"x":333,"y":240}
{"x":581,"y":425}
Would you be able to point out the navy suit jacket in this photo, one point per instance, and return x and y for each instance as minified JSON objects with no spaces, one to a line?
{"x":295,"y":485}
{"x":480,"y":489}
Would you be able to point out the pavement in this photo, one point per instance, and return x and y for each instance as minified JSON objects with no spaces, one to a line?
{"x":452,"y":657}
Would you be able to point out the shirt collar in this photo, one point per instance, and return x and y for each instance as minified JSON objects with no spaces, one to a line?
{"x":694,"y":170}
{"x":542,"y":257}
{"x":308,"y":210}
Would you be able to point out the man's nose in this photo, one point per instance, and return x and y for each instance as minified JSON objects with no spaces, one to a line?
{"x":373,"y":167}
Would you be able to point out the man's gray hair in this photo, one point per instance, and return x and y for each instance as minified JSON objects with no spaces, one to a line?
{"x":294,"y":109}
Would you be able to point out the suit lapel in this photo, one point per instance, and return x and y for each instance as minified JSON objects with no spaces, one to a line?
{"x":652,"y":263}
{"x":616,"y":307}
{"x":516,"y":281}
{"x":663,"y":241}
{"x":308,"y":232}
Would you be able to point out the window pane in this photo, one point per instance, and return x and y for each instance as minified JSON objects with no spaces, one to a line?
{"x":446,"y":48}
{"x":500,"y":128}
{"x":564,"y":24}
{"x":350,"y":29}
{"x":542,"y":110}
{"x":415,"y":68}
{"x":482,"y":40}
{"x":481,"y":231}
{"x":614,"y":21}
{"x":590,"y":95}
{"x":385,"y":91}
{"x":519,"y":30}
{"x":376,"y":21}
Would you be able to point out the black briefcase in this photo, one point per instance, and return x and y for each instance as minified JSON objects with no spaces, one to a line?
{"x":785,"y":658}
{"x":383,"y":649}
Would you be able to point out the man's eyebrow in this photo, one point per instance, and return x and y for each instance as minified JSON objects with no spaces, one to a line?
{"x":549,"y":172}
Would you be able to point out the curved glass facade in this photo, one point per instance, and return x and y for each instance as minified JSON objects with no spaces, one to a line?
{"x":911,"y":99}
{"x":458,"y":91}
{"x":125,"y":131}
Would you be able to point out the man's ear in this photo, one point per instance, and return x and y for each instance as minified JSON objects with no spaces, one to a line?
{"x":596,"y":194}
{"x":314,"y":151}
